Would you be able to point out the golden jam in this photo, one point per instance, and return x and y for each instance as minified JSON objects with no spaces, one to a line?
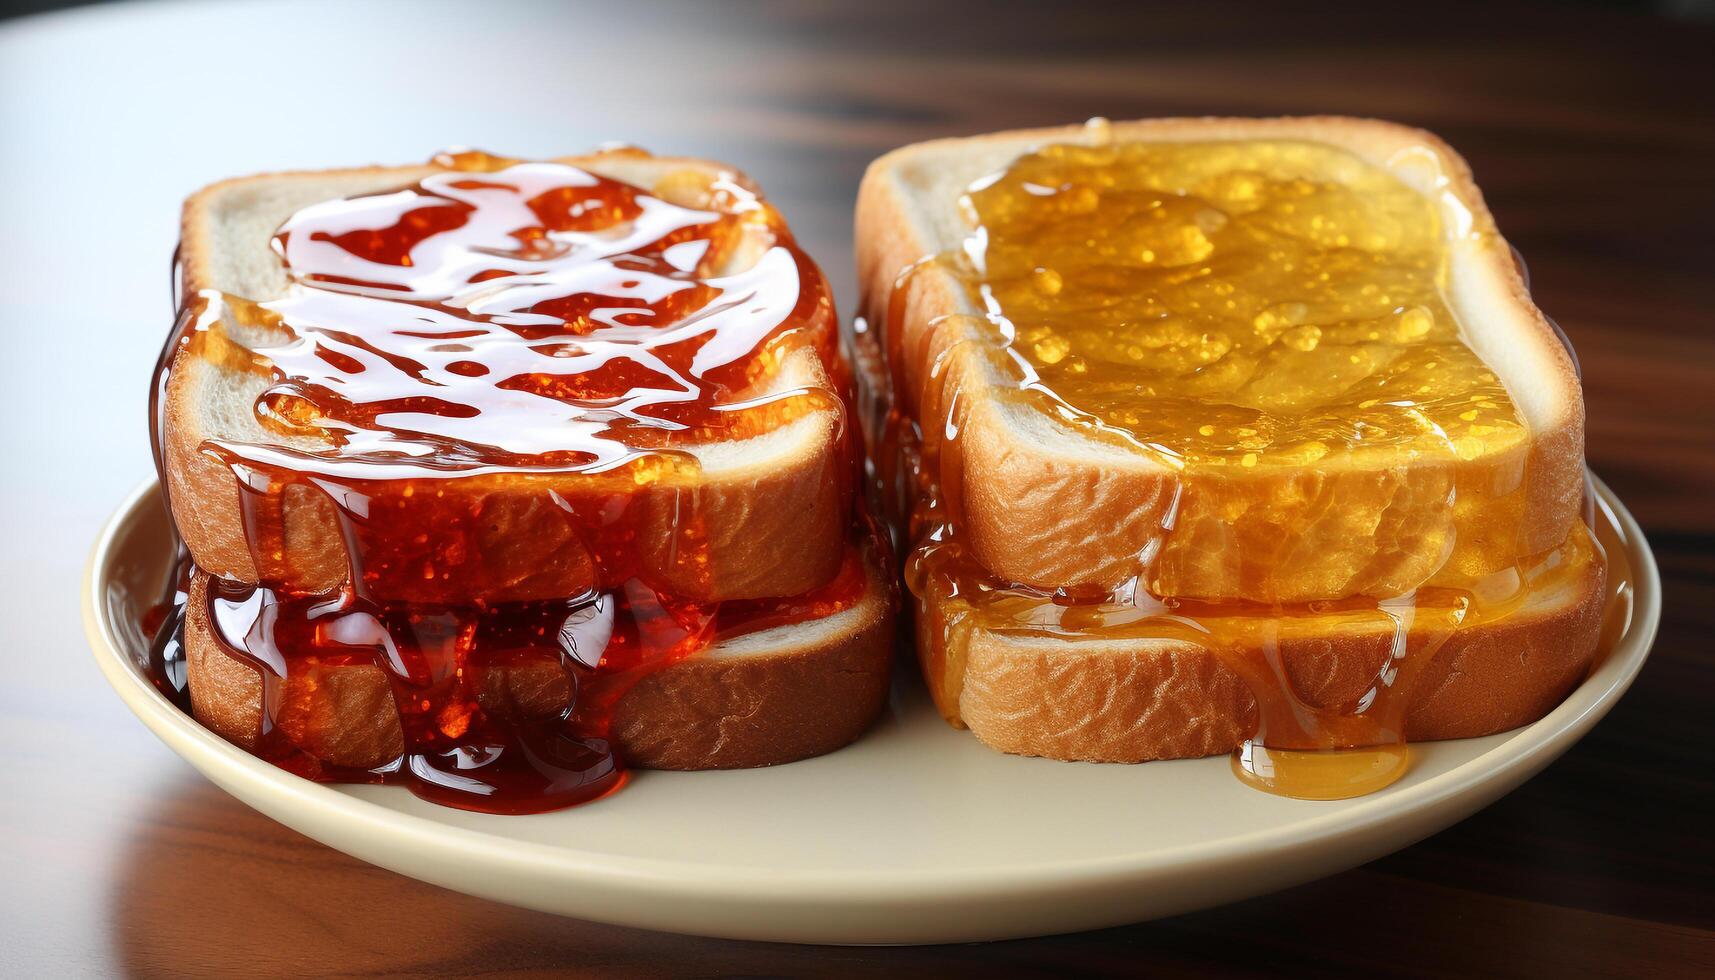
{"x":1348,"y":479}
{"x":1249,"y":303}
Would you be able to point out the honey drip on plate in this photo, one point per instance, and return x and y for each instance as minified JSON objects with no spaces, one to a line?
{"x":1239,"y":314}
{"x":495,"y":383}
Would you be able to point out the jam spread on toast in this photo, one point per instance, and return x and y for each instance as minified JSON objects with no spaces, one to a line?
{"x":506,"y":389}
{"x":1263,"y":325}
{"x":1237,"y":304}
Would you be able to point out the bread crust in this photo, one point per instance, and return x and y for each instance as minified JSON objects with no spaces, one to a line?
{"x":759,"y":699}
{"x":1027,"y":478}
{"x":771,"y":509}
{"x":1118,"y":700}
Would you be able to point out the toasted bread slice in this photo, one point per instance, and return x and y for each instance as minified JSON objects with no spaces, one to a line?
{"x":770,"y":506}
{"x":757,"y":699}
{"x":1102,"y":698}
{"x":1048,"y":504}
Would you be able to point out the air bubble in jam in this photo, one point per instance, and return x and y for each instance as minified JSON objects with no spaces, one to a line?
{"x":497,"y":380}
{"x":1237,"y":311}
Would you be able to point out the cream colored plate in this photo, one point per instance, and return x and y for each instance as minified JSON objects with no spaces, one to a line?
{"x":915,"y":834}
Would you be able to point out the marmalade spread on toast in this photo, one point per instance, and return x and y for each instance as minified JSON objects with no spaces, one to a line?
{"x":500,"y":380}
{"x":1265,"y":321}
{"x":1237,"y":304}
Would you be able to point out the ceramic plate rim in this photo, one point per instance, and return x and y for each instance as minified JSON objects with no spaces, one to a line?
{"x":1525,"y":747}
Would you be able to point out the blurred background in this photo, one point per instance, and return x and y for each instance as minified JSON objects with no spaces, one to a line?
{"x":112,"y":113}
{"x":1574,"y":117}
{"x":1591,"y":128}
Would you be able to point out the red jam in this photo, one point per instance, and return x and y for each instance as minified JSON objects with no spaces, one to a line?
{"x":495,"y":379}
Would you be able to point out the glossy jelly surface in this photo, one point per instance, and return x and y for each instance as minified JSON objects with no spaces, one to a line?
{"x":1245,"y":303}
{"x":537,"y":316}
{"x":482,"y":397}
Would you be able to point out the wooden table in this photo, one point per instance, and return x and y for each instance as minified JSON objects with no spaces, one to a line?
{"x":1590,"y":130}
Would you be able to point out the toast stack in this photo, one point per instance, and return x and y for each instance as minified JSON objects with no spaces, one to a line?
{"x":729,"y":530}
{"x":1141,"y":396}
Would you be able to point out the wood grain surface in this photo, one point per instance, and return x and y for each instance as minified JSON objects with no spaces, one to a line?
{"x":1591,"y":130}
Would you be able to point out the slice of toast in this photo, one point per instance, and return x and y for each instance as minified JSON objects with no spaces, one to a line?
{"x":1105,"y":696}
{"x":757,"y":699}
{"x":769,"y":507}
{"x":1048,"y":504}
{"x":1099,"y":698}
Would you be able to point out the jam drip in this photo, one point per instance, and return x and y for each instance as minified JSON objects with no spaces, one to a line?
{"x":463,"y":737}
{"x":497,"y":381}
{"x":503,"y":708}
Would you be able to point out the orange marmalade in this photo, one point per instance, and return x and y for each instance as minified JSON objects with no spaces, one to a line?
{"x":498,"y":380}
{"x":1264,"y":320}
{"x":1238,"y":304}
